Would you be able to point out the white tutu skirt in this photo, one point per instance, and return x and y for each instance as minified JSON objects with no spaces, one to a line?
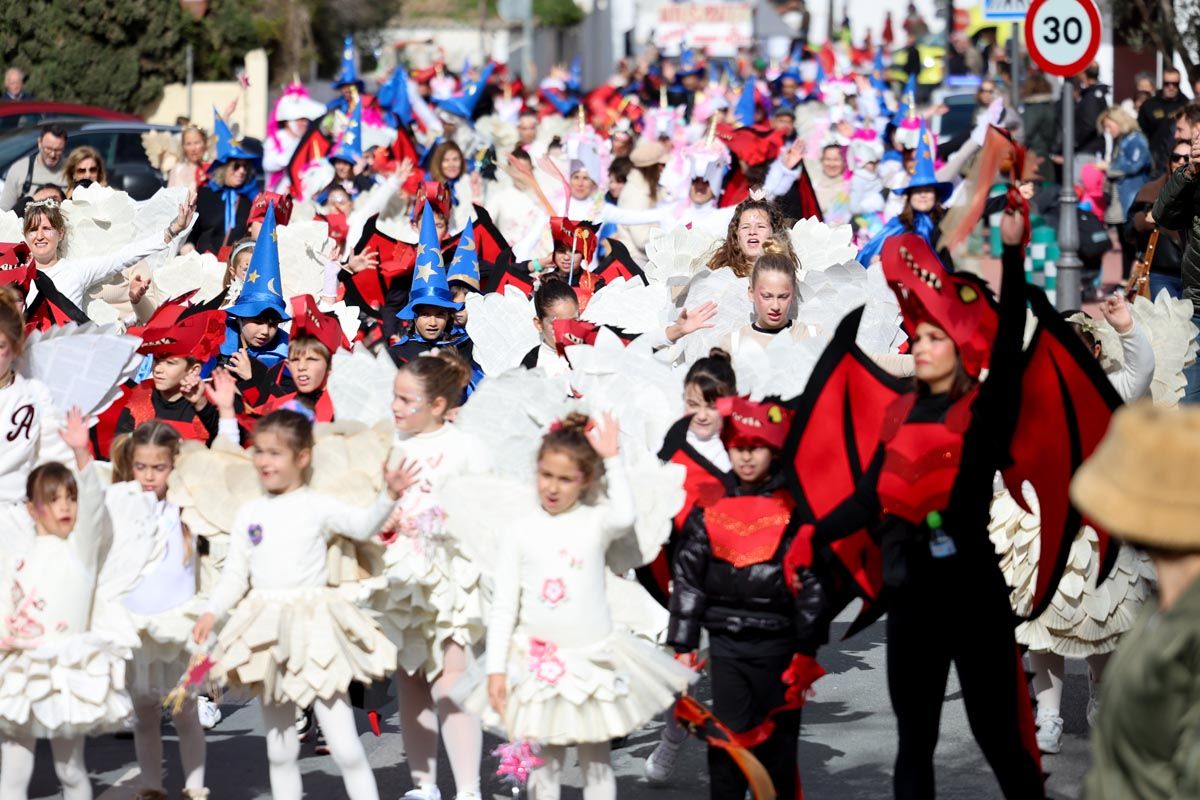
{"x":72,"y":686}
{"x":301,"y":645}
{"x":1082,"y":619}
{"x":434,"y":596}
{"x":165,"y":651}
{"x":570,"y":695}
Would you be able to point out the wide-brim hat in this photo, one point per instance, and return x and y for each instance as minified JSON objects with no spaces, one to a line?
{"x":430,"y":296}
{"x":1139,"y":483}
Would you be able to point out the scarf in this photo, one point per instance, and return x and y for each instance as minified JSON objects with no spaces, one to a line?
{"x":923,"y":224}
{"x":230,"y":195}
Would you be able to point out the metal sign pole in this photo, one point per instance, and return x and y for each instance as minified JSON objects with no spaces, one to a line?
{"x":1069,"y":295}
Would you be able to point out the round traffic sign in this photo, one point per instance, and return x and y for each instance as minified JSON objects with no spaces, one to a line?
{"x":1062,"y":36}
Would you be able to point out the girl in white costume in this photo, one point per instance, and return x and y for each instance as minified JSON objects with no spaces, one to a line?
{"x":422,"y":559}
{"x":62,"y":667}
{"x":164,"y":606}
{"x":29,"y":425}
{"x":558,"y":672}
{"x":292,"y":640}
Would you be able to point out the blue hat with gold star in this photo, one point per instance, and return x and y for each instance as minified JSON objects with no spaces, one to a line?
{"x":348,"y":74}
{"x":924,"y":176}
{"x":349,"y":147}
{"x":464,"y":267}
{"x":429,"y":284}
{"x":263,"y":289}
{"x":229,"y":148}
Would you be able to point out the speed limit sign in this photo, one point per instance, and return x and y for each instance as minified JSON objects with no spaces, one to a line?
{"x":1062,"y":36}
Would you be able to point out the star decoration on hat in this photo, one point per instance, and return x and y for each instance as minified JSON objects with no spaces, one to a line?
{"x":420,"y":249}
{"x":425,"y":271}
{"x":252,"y":277}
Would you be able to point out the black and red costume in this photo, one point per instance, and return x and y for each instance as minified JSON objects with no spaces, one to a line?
{"x":729,"y":579}
{"x":883,"y":455}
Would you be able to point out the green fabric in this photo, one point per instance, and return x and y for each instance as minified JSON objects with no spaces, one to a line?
{"x":1178,"y":209}
{"x":1146,"y":742}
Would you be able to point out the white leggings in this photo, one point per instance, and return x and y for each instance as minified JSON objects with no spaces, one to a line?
{"x":147,"y":743}
{"x":336,"y":719}
{"x":16,"y":768}
{"x":421,"y":706}
{"x":1048,"y":671}
{"x":545,"y":782}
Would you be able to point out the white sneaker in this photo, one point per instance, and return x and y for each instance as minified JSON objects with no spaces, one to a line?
{"x":661,"y":762}
{"x":209,"y":713}
{"x":1049,"y":733}
{"x":423,"y":792}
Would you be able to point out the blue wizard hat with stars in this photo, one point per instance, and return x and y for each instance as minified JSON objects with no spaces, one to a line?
{"x":429,"y":284}
{"x":924,"y":177}
{"x":349,"y":147}
{"x":745,"y":104}
{"x":688,"y":64}
{"x":463,"y":104}
{"x":263,"y":288}
{"x":229,"y":148}
{"x":393,"y":95}
{"x":464,"y":267}
{"x":348,"y":74}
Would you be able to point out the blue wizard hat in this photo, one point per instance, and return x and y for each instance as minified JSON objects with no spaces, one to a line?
{"x":463,"y":104}
{"x":393,"y":95}
{"x":688,"y":64}
{"x":229,"y":148}
{"x":349,"y":147}
{"x":908,"y":99}
{"x":464,"y":267}
{"x":348,"y":74}
{"x":263,"y":288}
{"x":878,"y":79}
{"x":429,"y":284}
{"x":923,"y":177}
{"x":745,"y":104}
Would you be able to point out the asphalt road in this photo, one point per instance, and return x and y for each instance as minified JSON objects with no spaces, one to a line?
{"x":846,"y":749}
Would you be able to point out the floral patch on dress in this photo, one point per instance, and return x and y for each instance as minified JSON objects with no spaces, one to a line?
{"x":554,"y":591}
{"x":545,"y":665}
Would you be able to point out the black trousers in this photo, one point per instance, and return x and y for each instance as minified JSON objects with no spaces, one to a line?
{"x":744,"y":690}
{"x":959,"y":613}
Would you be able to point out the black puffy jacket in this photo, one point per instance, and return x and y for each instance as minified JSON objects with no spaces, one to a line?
{"x":742,"y":607}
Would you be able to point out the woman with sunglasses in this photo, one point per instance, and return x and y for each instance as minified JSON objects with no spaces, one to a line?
{"x":223,"y":204}
{"x":1168,"y":254}
{"x":84,"y":167}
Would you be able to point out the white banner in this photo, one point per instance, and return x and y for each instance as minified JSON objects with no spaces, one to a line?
{"x":717,"y":29}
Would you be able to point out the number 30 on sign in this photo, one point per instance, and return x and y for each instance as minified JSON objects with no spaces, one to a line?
{"x":1062,"y":35}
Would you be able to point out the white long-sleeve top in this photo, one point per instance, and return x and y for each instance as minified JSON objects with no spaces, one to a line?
{"x":75,"y":276}
{"x":171,"y":582}
{"x":440,"y":454}
{"x":550,"y":580}
{"x":29,"y":426}
{"x":52,"y":585}
{"x":1133,"y":380}
{"x":713,"y":449}
{"x":279,"y":542}
{"x":277,"y":154}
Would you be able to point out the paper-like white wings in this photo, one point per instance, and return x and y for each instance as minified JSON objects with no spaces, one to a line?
{"x":501,"y":326}
{"x":84,"y":366}
{"x":360,"y":386}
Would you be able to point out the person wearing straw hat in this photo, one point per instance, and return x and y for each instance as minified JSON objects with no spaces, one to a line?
{"x":223,"y":204}
{"x":1138,"y":485}
{"x":431,"y":307}
{"x":924,"y":199}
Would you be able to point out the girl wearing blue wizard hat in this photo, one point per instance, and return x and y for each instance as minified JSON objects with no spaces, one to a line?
{"x":223,"y":204}
{"x":923,"y":207}
{"x":431,"y":307}
{"x":253,"y":340}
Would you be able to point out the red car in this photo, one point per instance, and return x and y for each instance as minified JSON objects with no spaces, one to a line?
{"x":35,"y":112}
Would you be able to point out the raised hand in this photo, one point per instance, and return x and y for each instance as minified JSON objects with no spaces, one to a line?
{"x":138,"y":285}
{"x":1012,"y":228}
{"x":75,"y":432}
{"x":367,"y":259}
{"x":221,"y":391}
{"x":1116,"y":311}
{"x":605,"y":436}
{"x":691,"y":321}
{"x":186,"y":209}
{"x":239,"y":364}
{"x":794,"y":154}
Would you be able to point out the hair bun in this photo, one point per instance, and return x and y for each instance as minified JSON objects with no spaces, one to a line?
{"x":576,"y":421}
{"x":720,"y":355}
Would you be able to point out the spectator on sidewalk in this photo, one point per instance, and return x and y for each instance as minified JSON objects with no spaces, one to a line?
{"x":1091,"y":101}
{"x":42,"y":167}
{"x":1156,"y":117}
{"x":1178,"y":208}
{"x":14,"y":86}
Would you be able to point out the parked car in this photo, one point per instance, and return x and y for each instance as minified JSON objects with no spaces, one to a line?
{"x":24,"y":113}
{"x":119,"y":143}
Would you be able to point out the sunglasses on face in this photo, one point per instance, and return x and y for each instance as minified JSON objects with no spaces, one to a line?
{"x":1179,"y":158}
{"x":1171,"y":83}
{"x":87,"y":170}
{"x":238,"y":165}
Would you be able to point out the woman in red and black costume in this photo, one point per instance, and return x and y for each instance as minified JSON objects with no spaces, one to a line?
{"x":729,"y":579}
{"x":930,"y":453}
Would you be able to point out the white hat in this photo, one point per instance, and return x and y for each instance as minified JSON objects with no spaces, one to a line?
{"x":296,"y":106}
{"x":583,"y":156}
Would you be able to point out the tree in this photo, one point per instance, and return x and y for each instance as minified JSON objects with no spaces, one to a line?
{"x":1168,"y":26}
{"x":120,"y":53}
{"x":557,"y":13}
